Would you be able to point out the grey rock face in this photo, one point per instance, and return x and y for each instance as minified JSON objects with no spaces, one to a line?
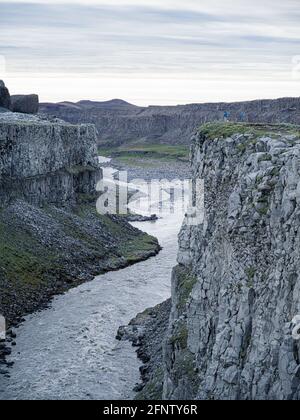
{"x":237,"y":287}
{"x":145,"y":332}
{"x":4,"y":96}
{"x":51,"y":236}
{"x":26,"y":104}
{"x":42,"y":161}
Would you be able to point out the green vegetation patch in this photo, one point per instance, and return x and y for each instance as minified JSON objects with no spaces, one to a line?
{"x":132,"y":152}
{"x":266,"y":157}
{"x":153,"y":390}
{"x":78,"y":169}
{"x":26,"y":259}
{"x":184,"y":370}
{"x":250,"y":272}
{"x":227,"y":129}
{"x":131,"y":246}
{"x":133,"y":250}
{"x":179,"y":337}
{"x":23,"y":258}
{"x":186,"y":280}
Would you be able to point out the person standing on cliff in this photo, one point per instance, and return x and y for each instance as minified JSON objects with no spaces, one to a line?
{"x":226,"y":116}
{"x":242,"y":117}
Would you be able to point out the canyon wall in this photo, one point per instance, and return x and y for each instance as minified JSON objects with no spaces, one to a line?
{"x":43,"y":161}
{"x":51,"y":236}
{"x":119,"y":122}
{"x":236,"y":288}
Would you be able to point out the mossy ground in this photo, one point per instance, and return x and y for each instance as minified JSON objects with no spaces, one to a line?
{"x":23,"y":258}
{"x":179,"y":336}
{"x":133,"y":250}
{"x":227,"y":129}
{"x":61,"y":249}
{"x":186,"y":280}
{"x":153,"y":389}
{"x":133,"y":154}
{"x":78,"y":169}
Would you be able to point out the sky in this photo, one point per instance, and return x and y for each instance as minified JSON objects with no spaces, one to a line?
{"x":151,"y":51}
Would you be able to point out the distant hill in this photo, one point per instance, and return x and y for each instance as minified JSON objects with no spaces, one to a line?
{"x":120,"y":122}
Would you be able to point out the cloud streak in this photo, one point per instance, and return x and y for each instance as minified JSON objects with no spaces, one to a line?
{"x":229,"y":40}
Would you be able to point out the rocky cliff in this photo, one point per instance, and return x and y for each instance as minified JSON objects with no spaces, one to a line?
{"x":119,"y":122}
{"x":237,"y":286}
{"x":25,"y":104}
{"x":51,"y":236}
{"x":5,"y":101}
{"x":44,"y":161}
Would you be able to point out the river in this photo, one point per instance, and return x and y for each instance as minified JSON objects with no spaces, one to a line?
{"x":69,"y":350}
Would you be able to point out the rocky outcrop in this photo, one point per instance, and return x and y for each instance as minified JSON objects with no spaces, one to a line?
{"x":4,"y":96}
{"x":26,"y":104}
{"x":145,"y":332}
{"x":118,"y":122}
{"x":236,"y":289}
{"x":42,"y":161}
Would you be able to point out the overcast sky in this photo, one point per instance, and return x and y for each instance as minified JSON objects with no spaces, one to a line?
{"x":151,"y":51}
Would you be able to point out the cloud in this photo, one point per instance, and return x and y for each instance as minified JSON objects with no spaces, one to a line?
{"x":208,"y":39}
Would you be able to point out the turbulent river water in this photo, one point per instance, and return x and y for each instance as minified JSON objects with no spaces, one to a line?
{"x":69,"y":350}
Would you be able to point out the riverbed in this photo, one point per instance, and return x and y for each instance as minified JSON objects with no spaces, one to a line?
{"x":69,"y":351}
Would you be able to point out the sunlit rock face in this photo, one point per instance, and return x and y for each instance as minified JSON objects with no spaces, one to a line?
{"x":236,"y":289}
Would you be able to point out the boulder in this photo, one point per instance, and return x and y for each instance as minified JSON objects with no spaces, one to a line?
{"x":26,"y":104}
{"x":4,"y":96}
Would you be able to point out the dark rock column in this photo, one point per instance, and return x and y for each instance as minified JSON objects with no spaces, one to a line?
{"x":26,"y":104}
{"x":5,"y":100}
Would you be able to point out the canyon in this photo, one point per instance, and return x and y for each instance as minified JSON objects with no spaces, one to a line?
{"x":119,"y":122}
{"x":51,"y":236}
{"x":235,"y":290}
{"x":227,"y":332}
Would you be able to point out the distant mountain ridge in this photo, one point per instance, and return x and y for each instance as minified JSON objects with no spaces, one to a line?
{"x":119,"y":122}
{"x":83,"y":104}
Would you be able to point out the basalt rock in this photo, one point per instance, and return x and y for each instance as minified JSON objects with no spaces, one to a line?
{"x":47,"y":162}
{"x":5,"y":101}
{"x":26,"y":104}
{"x":236,"y":289}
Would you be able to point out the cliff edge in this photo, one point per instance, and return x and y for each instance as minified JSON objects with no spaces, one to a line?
{"x":231,"y":330}
{"x":236,"y":289}
{"x":122,"y":123}
{"x":51,"y":236}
